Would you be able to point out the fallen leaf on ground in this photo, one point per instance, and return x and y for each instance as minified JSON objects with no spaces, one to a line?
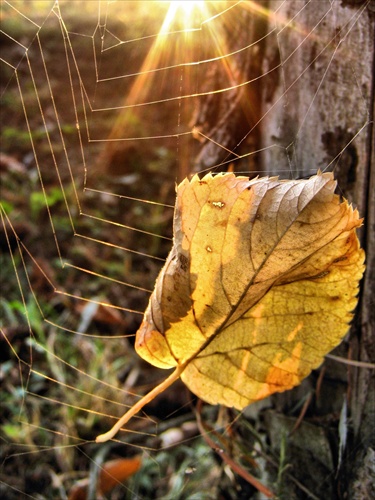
{"x":112,"y":473}
{"x":260,"y":284}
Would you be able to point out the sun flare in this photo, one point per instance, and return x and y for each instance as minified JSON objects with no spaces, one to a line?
{"x":187,"y":7}
{"x":184,"y":10}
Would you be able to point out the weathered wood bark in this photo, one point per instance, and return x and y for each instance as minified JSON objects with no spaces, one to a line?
{"x":223,"y":117}
{"x":316,"y":111}
{"x":322,"y":117}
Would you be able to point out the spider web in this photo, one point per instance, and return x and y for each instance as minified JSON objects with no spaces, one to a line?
{"x":105,"y":105}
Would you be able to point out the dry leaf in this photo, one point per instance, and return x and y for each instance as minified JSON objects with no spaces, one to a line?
{"x":259,"y":286}
{"x":111,"y":474}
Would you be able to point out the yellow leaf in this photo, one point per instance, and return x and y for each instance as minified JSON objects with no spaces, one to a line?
{"x":260,"y":284}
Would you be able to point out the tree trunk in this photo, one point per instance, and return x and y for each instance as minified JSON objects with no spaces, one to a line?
{"x":223,"y":117}
{"x":322,"y":117}
{"x":315,"y":111}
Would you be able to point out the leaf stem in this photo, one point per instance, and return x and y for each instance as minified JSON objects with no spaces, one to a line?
{"x":102,"y":438}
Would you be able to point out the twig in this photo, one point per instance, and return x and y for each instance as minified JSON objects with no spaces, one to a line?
{"x":305,"y":406}
{"x":232,"y":464}
{"x":351,"y":362}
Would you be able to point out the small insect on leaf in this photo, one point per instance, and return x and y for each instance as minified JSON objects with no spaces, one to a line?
{"x":260,"y":284}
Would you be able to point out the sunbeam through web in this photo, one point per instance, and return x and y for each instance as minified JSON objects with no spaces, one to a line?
{"x":105,"y":106}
